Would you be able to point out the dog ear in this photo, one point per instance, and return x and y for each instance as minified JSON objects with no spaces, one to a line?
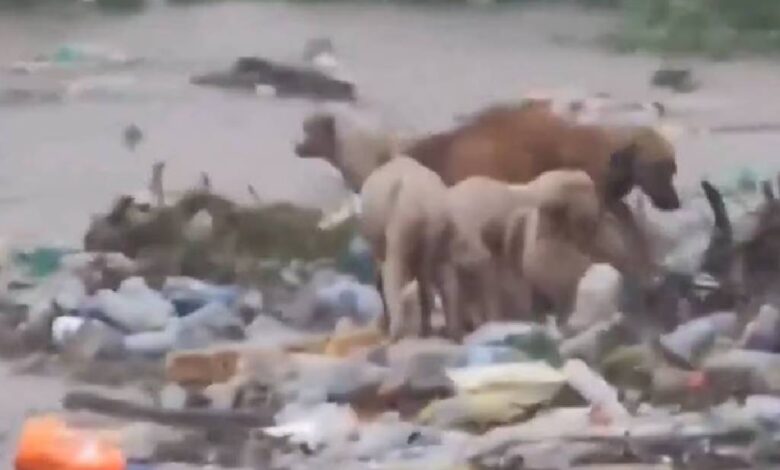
{"x":623,"y":159}
{"x":620,"y":172}
{"x":328,"y":123}
{"x":324,"y":131}
{"x":558,"y":215}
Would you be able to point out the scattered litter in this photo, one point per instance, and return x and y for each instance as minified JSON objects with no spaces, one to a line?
{"x":250,"y":354}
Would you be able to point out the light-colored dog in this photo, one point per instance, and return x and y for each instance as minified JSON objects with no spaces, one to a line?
{"x":402,"y":207}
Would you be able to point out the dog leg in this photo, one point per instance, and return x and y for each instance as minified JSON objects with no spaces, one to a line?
{"x":395,"y":277}
{"x":490,"y":291}
{"x":426,"y":305}
{"x":384,"y":318}
{"x":425,"y":273}
{"x":447,"y":282}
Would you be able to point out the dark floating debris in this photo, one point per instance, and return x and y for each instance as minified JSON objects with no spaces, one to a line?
{"x":285,"y":81}
{"x":132,"y":136}
{"x":677,"y":79}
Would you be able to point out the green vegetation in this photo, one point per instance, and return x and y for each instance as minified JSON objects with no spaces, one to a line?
{"x":714,"y":27}
{"x":717,"y":28}
{"x":108,"y":5}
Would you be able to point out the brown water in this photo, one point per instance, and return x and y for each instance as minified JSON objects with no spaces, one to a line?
{"x":60,"y":162}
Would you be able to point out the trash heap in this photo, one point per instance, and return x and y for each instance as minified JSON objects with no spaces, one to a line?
{"x":288,"y":371}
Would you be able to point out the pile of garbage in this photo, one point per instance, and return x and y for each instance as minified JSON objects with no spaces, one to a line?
{"x":513,"y":395}
{"x":93,"y":306}
{"x":280,"y":364}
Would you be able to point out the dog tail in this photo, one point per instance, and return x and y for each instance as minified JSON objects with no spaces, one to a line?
{"x":715,"y":199}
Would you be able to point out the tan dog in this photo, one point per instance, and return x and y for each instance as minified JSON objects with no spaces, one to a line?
{"x":403,"y":214}
{"x":551,"y":245}
{"x":404,"y":218}
{"x":479,"y":209}
{"x":516,"y":143}
{"x":510,"y":241}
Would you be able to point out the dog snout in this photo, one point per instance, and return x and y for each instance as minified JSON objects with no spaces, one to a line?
{"x":300,"y":149}
{"x":668,"y":201}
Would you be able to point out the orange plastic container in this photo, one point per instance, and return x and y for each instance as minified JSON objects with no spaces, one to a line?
{"x":47,"y":443}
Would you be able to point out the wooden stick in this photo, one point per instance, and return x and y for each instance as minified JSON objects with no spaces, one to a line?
{"x":206,"y":418}
{"x":742,"y":128}
{"x":156,"y":183}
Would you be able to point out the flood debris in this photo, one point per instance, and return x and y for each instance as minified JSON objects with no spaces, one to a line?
{"x":319,"y":78}
{"x":255,"y":335}
{"x":677,"y":79}
{"x":132,"y":136}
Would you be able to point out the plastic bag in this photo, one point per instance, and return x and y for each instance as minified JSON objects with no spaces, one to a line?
{"x":536,"y":380}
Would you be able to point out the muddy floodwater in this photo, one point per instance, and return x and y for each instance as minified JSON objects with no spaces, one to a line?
{"x":420,"y":66}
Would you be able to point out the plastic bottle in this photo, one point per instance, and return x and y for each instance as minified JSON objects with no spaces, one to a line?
{"x":134,"y":307}
{"x":48,"y":443}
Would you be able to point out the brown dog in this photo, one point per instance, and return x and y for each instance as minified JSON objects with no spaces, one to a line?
{"x":478,"y":207}
{"x":516,"y":143}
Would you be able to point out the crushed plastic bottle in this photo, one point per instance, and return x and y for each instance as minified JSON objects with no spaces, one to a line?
{"x":205,"y":326}
{"x":482,"y":355}
{"x":68,"y":54}
{"x":42,"y":261}
{"x":534,"y":341}
{"x":188,"y":295}
{"x":87,"y":339}
{"x":359,"y":260}
{"x":598,"y":295}
{"x":597,"y":391}
{"x":133,"y":308}
{"x":348,"y":298}
{"x":63,"y":328}
{"x":208,"y":324}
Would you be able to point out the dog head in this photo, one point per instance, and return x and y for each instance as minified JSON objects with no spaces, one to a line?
{"x":647,"y":161}
{"x":352,"y":141}
{"x":319,"y":138}
{"x":570,"y":201}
